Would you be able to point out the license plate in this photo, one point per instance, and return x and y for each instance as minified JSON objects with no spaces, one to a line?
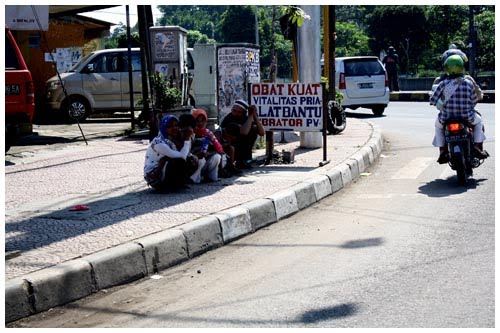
{"x":12,"y":89}
{"x":455,"y":138}
{"x":366,"y":85}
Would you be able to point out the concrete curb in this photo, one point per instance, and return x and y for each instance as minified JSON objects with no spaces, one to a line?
{"x":75,"y":279}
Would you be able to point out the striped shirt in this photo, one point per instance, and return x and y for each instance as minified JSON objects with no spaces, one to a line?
{"x":460,"y":105}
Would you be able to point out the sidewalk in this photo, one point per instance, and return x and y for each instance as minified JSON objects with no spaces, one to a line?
{"x":129,"y":231}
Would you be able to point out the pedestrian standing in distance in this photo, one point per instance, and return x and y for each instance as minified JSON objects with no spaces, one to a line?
{"x":391,"y":63}
{"x":207,"y":147}
{"x":165,"y":164}
{"x":250,"y":127}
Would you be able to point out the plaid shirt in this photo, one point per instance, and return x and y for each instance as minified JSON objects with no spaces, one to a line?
{"x":460,"y":105}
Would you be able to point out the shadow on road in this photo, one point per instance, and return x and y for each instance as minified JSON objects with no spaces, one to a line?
{"x":363,"y":115}
{"x":329,"y":313}
{"x":447,"y":187}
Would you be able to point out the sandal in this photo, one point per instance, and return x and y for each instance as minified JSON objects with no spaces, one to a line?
{"x":481,"y":154}
{"x":444,"y":158}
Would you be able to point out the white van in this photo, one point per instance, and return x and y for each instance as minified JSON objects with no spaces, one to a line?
{"x":363,"y":82}
{"x":98,"y":82}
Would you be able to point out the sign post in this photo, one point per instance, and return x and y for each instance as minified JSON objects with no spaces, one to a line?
{"x":298,"y":107}
{"x":325,"y":119}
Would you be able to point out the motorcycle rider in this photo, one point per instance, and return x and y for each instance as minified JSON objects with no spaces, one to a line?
{"x":453,"y":50}
{"x":455,"y":97}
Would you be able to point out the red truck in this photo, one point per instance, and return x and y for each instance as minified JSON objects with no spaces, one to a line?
{"x":19,"y":93}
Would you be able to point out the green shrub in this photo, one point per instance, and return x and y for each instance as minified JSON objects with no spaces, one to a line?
{"x":165,"y":96}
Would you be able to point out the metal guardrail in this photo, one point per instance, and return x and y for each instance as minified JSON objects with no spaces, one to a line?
{"x":423,"y":96}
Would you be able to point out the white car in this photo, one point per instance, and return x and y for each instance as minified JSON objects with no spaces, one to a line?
{"x":363,"y":82}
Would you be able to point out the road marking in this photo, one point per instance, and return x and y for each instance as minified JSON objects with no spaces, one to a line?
{"x":387,"y":195}
{"x":447,"y":173}
{"x":414,"y":168}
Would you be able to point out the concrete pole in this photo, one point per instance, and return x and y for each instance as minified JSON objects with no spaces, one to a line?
{"x":309,"y":54}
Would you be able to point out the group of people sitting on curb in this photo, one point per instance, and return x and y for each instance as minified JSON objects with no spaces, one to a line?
{"x":185,"y":151}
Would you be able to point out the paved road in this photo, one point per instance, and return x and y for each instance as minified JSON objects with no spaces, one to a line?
{"x":106,"y":175}
{"x":384,"y":252}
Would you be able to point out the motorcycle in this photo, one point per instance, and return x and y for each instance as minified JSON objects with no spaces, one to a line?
{"x":459,"y":140}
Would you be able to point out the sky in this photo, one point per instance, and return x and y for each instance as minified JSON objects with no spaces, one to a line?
{"x":118,"y":14}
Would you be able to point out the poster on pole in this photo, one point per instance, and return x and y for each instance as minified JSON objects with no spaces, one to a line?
{"x":237,"y":65}
{"x":165,"y":48}
{"x":289,"y":106}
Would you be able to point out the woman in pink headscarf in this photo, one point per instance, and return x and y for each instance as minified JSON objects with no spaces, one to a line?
{"x":206,"y":146}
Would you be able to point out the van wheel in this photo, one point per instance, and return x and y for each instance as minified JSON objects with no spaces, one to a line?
{"x":77,"y":109}
{"x":378,"y":110}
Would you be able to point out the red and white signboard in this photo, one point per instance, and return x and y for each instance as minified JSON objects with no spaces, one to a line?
{"x":289,"y":106}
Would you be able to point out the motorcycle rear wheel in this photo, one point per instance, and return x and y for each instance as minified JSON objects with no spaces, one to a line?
{"x":459,"y":162}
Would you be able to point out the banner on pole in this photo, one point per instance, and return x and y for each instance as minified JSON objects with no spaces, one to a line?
{"x":27,"y":17}
{"x":289,"y":106}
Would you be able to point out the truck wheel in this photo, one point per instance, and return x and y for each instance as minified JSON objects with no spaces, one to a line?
{"x":77,"y":109}
{"x":8,"y":141}
{"x":10,"y":137}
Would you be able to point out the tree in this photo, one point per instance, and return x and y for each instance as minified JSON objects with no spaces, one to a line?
{"x":118,"y":38}
{"x":405,"y":28}
{"x":194,"y":37}
{"x":351,"y":41}
{"x":447,"y":24}
{"x":283,"y":49}
{"x":111,"y":42}
{"x":201,"y":18}
{"x":354,"y":14}
{"x":238,"y":25}
{"x":486,"y":30}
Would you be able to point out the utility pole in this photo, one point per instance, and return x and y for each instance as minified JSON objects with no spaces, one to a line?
{"x":145,"y":20}
{"x":130,"y":79}
{"x":329,"y":47}
{"x":309,"y":54}
{"x":473,"y":43}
